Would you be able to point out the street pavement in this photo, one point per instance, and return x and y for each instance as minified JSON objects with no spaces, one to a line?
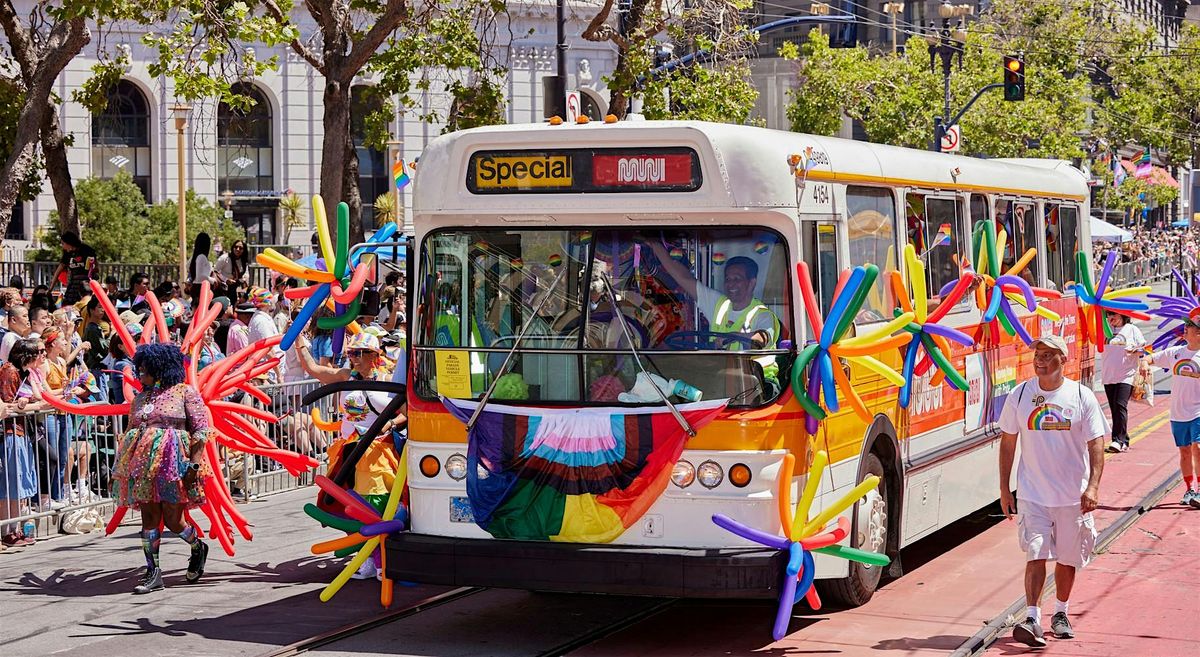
{"x":72,"y":595}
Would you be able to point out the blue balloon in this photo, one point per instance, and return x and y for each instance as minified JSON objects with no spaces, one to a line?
{"x":839,"y":306}
{"x":806,"y":577}
{"x":827,"y":381}
{"x":302,"y":318}
{"x":910,"y":362}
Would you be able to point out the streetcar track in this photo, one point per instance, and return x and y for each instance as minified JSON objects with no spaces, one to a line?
{"x":606,"y":631}
{"x":991,"y":632}
{"x":386,"y":618}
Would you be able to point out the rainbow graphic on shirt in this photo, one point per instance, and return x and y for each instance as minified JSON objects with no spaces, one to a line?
{"x":1048,"y":417}
{"x":1187,"y":367}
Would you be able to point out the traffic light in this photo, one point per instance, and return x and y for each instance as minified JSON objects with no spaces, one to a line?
{"x":1014,"y":78}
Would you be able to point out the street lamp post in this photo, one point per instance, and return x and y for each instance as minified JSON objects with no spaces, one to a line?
{"x":895,"y":9}
{"x":180,"y":112}
{"x":946,"y":43}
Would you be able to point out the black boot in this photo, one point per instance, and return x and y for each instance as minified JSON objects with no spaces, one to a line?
{"x":196,"y":562}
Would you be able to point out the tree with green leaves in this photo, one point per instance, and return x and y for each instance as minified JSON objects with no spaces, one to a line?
{"x":716,"y":86}
{"x":404,"y":45}
{"x":41,"y":44}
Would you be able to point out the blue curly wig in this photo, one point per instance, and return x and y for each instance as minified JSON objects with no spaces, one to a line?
{"x":162,"y":362}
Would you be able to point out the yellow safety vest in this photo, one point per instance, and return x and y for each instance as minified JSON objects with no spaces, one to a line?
{"x":725,"y":320}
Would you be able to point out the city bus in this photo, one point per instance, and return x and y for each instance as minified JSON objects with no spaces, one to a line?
{"x":556,"y":263}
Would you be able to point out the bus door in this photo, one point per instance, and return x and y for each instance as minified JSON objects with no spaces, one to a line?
{"x":819,"y":248}
{"x":980,"y":364}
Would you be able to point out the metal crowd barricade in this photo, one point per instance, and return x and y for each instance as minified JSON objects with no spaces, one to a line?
{"x":33,"y":471}
{"x":56,"y":466}
{"x":1141,"y":272}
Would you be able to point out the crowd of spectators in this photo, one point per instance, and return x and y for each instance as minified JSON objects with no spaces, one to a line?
{"x":60,"y":342}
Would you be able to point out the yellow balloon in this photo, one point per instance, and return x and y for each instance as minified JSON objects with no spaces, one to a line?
{"x":820,"y":461}
{"x":1127,"y":292}
{"x":816,"y":524}
{"x":882,"y":332}
{"x":873,"y":364}
{"x":916,"y":280}
{"x":323,"y":230}
{"x":338,"y":582}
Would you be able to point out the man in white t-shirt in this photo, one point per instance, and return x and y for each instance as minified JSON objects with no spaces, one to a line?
{"x":18,"y":328}
{"x":1183,"y":363}
{"x":1061,"y":431}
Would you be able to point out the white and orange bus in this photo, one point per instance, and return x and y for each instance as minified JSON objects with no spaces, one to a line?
{"x":517,"y":229}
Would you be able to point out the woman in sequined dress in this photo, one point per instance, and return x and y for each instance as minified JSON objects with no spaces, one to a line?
{"x":160,"y":466}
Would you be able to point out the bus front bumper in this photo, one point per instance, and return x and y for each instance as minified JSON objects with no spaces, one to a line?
{"x":586,"y":568}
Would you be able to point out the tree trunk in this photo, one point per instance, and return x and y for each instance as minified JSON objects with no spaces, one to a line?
{"x":336,"y":120}
{"x":618,"y":103}
{"x":352,"y":197}
{"x":58,"y":170}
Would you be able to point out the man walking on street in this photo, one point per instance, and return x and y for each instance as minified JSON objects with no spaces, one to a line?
{"x":1061,"y":430}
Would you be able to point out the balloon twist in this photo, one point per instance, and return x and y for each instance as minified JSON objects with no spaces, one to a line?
{"x":1095,"y":301}
{"x":994,"y":297}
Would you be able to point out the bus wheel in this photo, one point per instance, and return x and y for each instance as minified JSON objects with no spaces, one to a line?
{"x":870,"y":533}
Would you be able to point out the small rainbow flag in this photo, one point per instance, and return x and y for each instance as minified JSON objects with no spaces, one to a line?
{"x":400,"y":175}
{"x":943,"y":236}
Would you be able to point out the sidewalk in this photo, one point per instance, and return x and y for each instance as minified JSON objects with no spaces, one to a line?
{"x":72,"y":595}
{"x":945,"y":596}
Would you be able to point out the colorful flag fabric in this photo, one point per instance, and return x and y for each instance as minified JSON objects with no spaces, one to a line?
{"x":570,"y":475}
{"x":1118,"y":172}
{"x":400,"y":175}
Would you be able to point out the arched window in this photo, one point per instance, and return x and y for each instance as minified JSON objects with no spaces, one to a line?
{"x":373,"y":177}
{"x":245,"y":157}
{"x":121,"y":136}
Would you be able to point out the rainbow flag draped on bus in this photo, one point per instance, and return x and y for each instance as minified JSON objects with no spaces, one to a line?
{"x":576,"y":475}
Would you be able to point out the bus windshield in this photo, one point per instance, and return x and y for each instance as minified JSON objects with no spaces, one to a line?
{"x":705,"y":308}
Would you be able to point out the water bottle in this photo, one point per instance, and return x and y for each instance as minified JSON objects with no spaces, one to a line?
{"x":29,"y":528}
{"x":685,"y":391}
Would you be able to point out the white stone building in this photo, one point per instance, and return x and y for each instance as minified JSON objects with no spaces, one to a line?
{"x":248,"y":162}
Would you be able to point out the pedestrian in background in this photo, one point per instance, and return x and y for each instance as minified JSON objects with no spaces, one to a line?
{"x":1118,"y":367}
{"x":233,"y":271}
{"x":80,"y":264}
{"x":1184,"y":366}
{"x":200,"y":269}
{"x":1061,"y":430}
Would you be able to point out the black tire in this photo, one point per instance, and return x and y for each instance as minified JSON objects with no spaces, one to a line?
{"x":857,"y":588}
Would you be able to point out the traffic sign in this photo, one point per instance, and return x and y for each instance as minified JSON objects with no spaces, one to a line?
{"x":952,"y":139}
{"x":573,"y":104}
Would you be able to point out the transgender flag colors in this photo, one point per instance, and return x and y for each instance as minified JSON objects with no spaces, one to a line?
{"x":579,"y":475}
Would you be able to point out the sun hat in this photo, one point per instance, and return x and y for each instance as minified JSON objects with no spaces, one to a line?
{"x":363,"y":341}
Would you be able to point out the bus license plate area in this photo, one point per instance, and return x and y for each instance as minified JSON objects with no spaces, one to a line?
{"x":460,"y":510}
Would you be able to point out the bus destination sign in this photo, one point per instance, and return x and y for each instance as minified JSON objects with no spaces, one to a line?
{"x":673,"y":169}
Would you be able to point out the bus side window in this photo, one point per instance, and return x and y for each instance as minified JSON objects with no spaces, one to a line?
{"x":979,"y":213}
{"x":820,"y":252}
{"x":872,"y":216}
{"x":933,"y":227}
{"x":1062,"y":240}
{"x":1019,"y":221}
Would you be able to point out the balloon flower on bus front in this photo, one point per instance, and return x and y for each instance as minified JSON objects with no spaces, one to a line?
{"x":1095,"y":301}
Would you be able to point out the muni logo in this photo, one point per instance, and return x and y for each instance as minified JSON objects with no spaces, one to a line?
{"x":642,"y":169}
{"x":1188,"y":368}
{"x":1048,"y":418}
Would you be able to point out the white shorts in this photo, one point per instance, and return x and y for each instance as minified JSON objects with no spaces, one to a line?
{"x":1056,"y":533}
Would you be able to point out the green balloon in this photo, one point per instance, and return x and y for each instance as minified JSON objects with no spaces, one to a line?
{"x":855,"y":554}
{"x":330,"y":520}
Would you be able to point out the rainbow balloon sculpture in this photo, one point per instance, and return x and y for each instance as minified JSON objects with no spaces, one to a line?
{"x":232,"y":423}
{"x":824,"y":376}
{"x":925,"y":330}
{"x":803,"y":536}
{"x":998,"y":290}
{"x":1095,"y":301}
{"x":339,"y":286}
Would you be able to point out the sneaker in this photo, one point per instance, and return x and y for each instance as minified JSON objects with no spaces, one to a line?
{"x":1188,"y":497}
{"x":151,"y":581}
{"x":1030,"y":633}
{"x":1195,"y":501}
{"x":1113,"y":447}
{"x":53,"y":505}
{"x":196,"y":563}
{"x":366,"y":571}
{"x":12,"y":539}
{"x":1123,"y":447}
{"x":1061,"y":626}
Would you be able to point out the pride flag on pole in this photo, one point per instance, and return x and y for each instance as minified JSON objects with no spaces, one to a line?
{"x":400,"y":175}
{"x":943,"y":235}
{"x":1142,"y":160}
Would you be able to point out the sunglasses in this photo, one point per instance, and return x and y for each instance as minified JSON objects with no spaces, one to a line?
{"x":40,"y":352}
{"x":359,"y":353}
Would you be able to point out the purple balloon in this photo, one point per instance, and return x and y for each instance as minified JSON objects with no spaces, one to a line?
{"x":814,"y":388}
{"x":385,"y":527}
{"x":949,"y":333}
{"x":1026,"y":291}
{"x":787,"y":599}
{"x":1006,"y":308}
{"x":1102,"y":282}
{"x":1187,"y":290}
{"x":947,"y":287}
{"x":750,"y":533}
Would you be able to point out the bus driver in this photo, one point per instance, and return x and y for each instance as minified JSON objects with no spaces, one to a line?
{"x":736,"y":310}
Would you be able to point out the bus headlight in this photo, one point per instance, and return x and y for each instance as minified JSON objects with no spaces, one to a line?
{"x":739,"y":475}
{"x":683,"y":474}
{"x":710,"y":474}
{"x":456,"y":467}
